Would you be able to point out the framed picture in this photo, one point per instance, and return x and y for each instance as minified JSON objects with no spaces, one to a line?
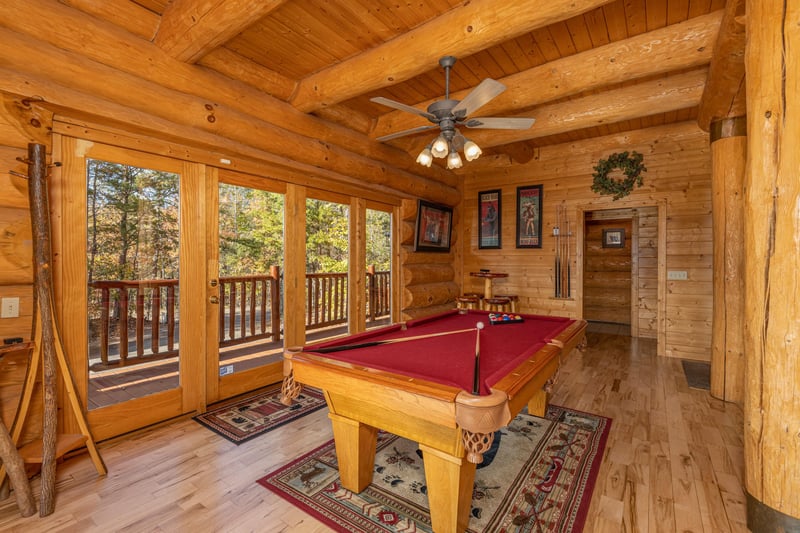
{"x":489,"y":223}
{"x":529,"y":216}
{"x":614,"y":238}
{"x":434,"y":223}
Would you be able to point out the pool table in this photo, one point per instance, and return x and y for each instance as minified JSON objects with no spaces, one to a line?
{"x":422,"y":389}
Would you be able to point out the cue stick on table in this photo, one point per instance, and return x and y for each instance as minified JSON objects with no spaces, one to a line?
{"x":477,"y":372}
{"x":367,"y":344}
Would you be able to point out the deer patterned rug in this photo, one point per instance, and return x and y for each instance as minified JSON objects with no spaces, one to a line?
{"x":241,"y":420}
{"x":538,"y":476}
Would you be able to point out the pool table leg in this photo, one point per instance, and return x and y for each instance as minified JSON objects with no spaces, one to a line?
{"x":448,"y":476}
{"x":355,"y":451}
{"x":537,"y":405}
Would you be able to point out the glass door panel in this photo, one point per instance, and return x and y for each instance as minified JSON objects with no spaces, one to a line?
{"x":250,"y":280}
{"x":132,"y":262}
{"x":379,"y":263}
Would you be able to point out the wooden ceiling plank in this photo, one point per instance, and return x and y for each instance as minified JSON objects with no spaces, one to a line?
{"x":656,"y":14}
{"x":684,"y":45}
{"x":615,"y":18}
{"x":677,"y":11}
{"x":636,"y":16}
{"x":462,"y":31}
{"x":724,"y":93}
{"x":597,"y":27}
{"x":190,"y":29}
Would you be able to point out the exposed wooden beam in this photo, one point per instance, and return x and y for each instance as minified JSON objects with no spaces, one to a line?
{"x":725,"y":90}
{"x":100,"y":84}
{"x":72,"y":30}
{"x":136,"y":19}
{"x":462,"y":31}
{"x":190,"y":29}
{"x":635,"y":101}
{"x":679,"y":46}
{"x":238,"y":67}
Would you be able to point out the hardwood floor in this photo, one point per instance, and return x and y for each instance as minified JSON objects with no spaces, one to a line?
{"x":674,"y":461}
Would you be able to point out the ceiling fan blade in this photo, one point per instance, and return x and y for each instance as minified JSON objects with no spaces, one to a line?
{"x":478,"y":97}
{"x":500,"y":123}
{"x":405,"y":132}
{"x":403,"y":107}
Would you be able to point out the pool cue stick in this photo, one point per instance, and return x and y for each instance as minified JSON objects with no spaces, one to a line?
{"x":477,"y":372}
{"x":367,"y":344}
{"x":558,"y":249}
{"x":569,"y":263}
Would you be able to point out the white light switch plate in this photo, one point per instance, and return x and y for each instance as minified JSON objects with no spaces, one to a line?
{"x":9,"y":307}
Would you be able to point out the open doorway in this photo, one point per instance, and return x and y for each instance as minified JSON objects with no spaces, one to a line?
{"x":628,"y":271}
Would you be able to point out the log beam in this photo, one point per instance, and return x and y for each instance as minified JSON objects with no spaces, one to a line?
{"x":238,"y":67}
{"x":462,"y":31}
{"x":190,"y":29}
{"x":129,"y":15}
{"x":674,"y":47}
{"x":772,"y":227}
{"x":724,"y":95}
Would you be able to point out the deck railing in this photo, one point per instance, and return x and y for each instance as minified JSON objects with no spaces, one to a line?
{"x":249,"y":310}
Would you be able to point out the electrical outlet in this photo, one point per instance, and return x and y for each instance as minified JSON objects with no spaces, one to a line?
{"x":10,"y":308}
{"x":677,"y":275}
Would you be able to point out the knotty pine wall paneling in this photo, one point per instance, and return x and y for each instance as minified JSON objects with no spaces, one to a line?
{"x":678,"y":175}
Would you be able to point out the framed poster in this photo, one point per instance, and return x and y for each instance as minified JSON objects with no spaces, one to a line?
{"x":614,"y":238}
{"x":489,"y":223}
{"x":529,"y":216}
{"x":434,"y":223}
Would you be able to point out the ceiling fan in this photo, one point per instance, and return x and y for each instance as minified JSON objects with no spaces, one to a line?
{"x":446,"y":114}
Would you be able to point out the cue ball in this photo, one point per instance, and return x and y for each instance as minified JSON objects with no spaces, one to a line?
{"x":479,"y":325}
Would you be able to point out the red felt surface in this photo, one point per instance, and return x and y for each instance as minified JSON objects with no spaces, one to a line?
{"x":450,"y":359}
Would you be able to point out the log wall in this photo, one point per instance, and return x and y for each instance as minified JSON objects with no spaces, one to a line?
{"x":678,"y":176}
{"x":607,"y":273}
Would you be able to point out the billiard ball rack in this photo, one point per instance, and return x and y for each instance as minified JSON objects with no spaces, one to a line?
{"x":496,"y":319}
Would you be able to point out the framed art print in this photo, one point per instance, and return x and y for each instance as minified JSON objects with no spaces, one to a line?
{"x":489,"y":219}
{"x":614,"y":238}
{"x":529,"y":216}
{"x":434,"y":224}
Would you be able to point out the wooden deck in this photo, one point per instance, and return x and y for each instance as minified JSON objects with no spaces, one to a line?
{"x":674,"y":461}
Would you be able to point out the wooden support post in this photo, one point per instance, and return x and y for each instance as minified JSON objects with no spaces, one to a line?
{"x":16,"y":472}
{"x":728,"y":159}
{"x":772,"y":227}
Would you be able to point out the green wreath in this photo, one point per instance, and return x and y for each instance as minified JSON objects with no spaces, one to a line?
{"x":631,"y":166}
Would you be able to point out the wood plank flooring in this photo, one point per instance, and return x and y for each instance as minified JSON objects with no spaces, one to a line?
{"x":674,"y":461}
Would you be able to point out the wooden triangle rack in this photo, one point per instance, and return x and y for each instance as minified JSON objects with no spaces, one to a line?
{"x":47,"y":351}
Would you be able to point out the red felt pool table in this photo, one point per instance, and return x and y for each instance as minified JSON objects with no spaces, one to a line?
{"x":421,"y":389}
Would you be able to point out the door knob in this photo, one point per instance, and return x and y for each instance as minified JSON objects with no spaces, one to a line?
{"x":214,"y":300}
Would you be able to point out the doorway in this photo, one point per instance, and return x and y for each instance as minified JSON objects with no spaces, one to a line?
{"x":645,"y":233}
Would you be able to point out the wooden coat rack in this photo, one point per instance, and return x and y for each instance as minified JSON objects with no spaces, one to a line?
{"x":48,"y":350}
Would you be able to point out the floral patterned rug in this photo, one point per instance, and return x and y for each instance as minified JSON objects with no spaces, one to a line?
{"x":538,"y":476}
{"x":242,"y":420}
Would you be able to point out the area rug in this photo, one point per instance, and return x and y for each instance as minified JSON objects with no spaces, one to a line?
{"x":250,"y":417}
{"x":698,"y":374}
{"x":538,"y":476}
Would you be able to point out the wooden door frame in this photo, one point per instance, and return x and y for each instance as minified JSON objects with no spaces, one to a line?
{"x":69,"y":248}
{"x":659,"y":202}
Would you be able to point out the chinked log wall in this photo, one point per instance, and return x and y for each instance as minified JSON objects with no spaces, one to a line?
{"x":678,"y":173}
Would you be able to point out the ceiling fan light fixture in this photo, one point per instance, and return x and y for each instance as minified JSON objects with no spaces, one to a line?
{"x":425,"y":157}
{"x":439,"y":147}
{"x":454,"y":160}
{"x":472,"y":151}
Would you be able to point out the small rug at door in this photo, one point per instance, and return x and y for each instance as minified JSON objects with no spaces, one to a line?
{"x":538,"y":476}
{"x":250,"y":417}
{"x":698,"y":374}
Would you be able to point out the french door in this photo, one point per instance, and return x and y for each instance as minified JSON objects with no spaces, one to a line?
{"x":130,"y":268}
